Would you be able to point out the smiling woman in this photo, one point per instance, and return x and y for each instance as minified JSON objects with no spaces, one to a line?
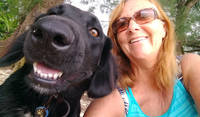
{"x":144,"y":44}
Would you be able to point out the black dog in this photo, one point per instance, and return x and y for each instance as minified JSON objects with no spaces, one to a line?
{"x":66,"y":54}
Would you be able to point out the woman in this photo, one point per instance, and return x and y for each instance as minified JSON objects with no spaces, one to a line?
{"x":144,"y":44}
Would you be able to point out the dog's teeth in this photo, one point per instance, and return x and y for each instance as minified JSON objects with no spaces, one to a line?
{"x":50,"y":75}
{"x":60,"y":74}
{"x":34,"y":67}
{"x":38,"y":71}
{"x":42,"y":75}
{"x":45,"y":76}
{"x":55,"y":76}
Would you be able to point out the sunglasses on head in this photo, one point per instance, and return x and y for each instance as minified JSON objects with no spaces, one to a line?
{"x":140,"y":17}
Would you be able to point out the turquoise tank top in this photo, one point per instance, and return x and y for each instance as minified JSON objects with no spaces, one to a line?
{"x":182,"y":104}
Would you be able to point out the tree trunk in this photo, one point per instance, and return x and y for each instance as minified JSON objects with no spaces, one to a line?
{"x":183,"y":10}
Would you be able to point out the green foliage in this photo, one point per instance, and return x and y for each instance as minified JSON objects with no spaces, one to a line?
{"x":12,"y":13}
{"x":186,"y":18}
{"x":7,"y":25}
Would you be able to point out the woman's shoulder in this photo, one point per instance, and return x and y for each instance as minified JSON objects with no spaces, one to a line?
{"x":191,"y":76}
{"x":190,"y":56}
{"x":189,"y":61}
{"x":107,"y":106}
{"x":190,"y":65}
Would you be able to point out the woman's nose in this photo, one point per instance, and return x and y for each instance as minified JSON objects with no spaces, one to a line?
{"x":133,"y":26}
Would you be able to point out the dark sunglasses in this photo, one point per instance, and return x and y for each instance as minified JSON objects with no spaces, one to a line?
{"x":140,"y":17}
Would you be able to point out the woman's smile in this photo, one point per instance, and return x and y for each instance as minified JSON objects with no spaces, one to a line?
{"x":138,"y":39}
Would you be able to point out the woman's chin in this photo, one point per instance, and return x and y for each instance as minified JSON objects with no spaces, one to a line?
{"x":142,"y":54}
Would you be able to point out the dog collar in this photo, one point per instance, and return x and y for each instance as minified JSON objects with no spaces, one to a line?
{"x":42,"y":111}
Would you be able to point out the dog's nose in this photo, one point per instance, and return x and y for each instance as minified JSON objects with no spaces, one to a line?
{"x":58,"y":35}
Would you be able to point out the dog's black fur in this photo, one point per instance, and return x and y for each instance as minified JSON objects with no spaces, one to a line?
{"x":67,"y":40}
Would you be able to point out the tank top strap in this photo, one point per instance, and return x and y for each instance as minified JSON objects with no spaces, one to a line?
{"x":125,"y":99}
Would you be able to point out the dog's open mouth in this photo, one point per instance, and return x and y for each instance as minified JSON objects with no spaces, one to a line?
{"x":45,"y":73}
{"x":45,"y":79}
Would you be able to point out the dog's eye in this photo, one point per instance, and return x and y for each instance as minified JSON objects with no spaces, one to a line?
{"x":94,"y":32}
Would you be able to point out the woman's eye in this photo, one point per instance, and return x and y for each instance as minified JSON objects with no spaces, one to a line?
{"x":123,"y":24}
{"x":94,"y":32}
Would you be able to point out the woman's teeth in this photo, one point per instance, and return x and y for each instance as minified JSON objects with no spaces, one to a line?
{"x":138,"y":39}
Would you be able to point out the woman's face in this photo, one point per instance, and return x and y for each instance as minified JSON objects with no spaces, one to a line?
{"x":141,"y":40}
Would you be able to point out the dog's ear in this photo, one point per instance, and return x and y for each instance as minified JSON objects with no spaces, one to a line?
{"x":14,"y":53}
{"x":104,"y":79}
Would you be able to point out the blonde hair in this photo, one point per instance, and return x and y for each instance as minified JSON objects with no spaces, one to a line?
{"x":165,"y":68}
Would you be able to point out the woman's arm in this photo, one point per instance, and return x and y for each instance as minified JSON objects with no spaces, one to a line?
{"x":190,"y":65}
{"x":108,"y":106}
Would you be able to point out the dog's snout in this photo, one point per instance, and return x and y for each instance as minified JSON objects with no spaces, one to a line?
{"x":37,"y":33}
{"x":61,"y":42}
{"x":58,"y":35}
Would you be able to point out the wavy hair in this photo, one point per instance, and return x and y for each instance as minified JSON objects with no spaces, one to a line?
{"x":165,"y":68}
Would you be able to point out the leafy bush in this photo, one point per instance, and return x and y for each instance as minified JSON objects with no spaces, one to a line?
{"x":12,"y":13}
